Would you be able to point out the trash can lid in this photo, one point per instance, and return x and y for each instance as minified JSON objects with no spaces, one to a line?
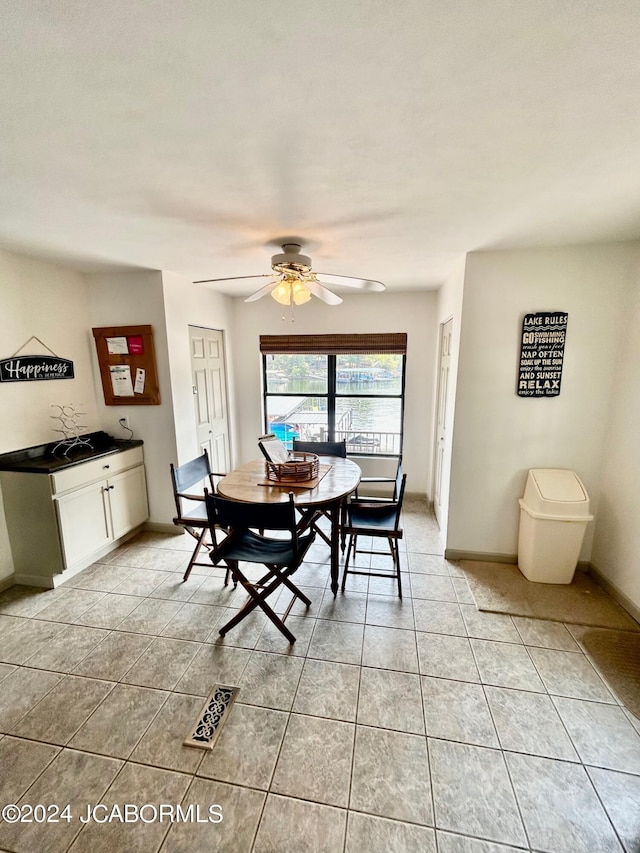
{"x":556,"y":493}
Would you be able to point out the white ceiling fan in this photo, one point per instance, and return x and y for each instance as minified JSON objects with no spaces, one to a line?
{"x":293,"y":282}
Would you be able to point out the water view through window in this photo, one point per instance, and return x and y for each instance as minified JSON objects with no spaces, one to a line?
{"x":324,"y":397}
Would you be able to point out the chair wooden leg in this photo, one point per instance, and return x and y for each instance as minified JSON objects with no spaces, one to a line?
{"x":345,"y":572}
{"x":258,"y":599}
{"x":298,"y":593}
{"x":322,"y":534}
{"x":312,"y":520}
{"x":251,"y":605}
{"x":395,"y":553}
{"x":280,"y":625}
{"x":196,"y":551}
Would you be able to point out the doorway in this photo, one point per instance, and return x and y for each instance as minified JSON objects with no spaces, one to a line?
{"x":442,"y":424}
{"x":209,"y":379}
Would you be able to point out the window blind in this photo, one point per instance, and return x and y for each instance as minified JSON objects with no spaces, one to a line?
{"x":390,"y":342}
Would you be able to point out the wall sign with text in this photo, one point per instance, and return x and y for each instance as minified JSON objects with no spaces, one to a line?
{"x":542,"y":354}
{"x":35,"y":368}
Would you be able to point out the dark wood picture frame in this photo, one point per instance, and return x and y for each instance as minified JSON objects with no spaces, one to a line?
{"x":139,"y":356}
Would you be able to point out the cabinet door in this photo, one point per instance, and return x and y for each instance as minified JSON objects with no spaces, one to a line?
{"x":128,"y":500}
{"x":84,"y":522}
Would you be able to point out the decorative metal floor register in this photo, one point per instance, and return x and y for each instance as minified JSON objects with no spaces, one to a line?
{"x":212,"y":717}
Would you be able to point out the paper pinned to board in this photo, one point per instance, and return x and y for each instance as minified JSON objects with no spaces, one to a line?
{"x":121,"y":380}
{"x":139,"y":386}
{"x":117,"y":345}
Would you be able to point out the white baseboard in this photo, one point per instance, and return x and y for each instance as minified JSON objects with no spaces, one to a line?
{"x":481,"y":556}
{"x":158,"y":527}
{"x":52,"y":582}
{"x":416,"y":496}
{"x":37,"y":580}
{"x":489,"y":557}
{"x":622,"y":599}
{"x":5,"y":583}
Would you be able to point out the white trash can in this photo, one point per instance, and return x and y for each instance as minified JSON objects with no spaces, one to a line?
{"x":554,"y":514}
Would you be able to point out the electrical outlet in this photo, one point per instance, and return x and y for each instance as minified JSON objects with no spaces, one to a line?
{"x":124,"y":423}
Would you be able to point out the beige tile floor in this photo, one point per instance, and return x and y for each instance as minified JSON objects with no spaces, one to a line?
{"x":413,"y":726}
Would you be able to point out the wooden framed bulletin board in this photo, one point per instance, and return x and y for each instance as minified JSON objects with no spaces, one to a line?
{"x":127,"y":365}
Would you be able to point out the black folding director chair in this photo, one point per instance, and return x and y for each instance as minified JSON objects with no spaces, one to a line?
{"x":282,"y":555}
{"x":191,"y":513}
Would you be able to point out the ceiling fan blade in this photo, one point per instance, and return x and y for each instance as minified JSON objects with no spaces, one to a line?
{"x":264,"y":291}
{"x":351,"y":281}
{"x":322,"y":293}
{"x":256,"y":278}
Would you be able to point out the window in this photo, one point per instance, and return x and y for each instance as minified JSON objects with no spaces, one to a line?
{"x":330,"y":387}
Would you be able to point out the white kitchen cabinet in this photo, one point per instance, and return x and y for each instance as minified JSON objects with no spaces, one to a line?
{"x":128,"y":501}
{"x":61,"y":522}
{"x":83,"y":517}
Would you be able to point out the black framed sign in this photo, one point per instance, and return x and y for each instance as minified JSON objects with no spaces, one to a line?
{"x":35,"y":368}
{"x":542,"y":354}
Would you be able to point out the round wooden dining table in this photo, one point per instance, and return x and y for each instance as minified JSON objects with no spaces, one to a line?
{"x":249,"y":483}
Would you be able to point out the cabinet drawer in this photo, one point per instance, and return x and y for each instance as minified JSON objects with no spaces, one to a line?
{"x":96,"y":469}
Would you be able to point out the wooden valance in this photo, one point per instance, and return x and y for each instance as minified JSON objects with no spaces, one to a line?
{"x":371,"y":344}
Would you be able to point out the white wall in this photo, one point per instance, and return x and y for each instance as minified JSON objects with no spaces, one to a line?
{"x":413,"y":313}
{"x":499,"y":436}
{"x":187,"y":304}
{"x":50,"y":302}
{"x":450,"y":297}
{"x":132,"y":299}
{"x":616,"y":543}
{"x":170,"y":304}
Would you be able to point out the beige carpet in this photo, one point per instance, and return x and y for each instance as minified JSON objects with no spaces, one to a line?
{"x":616,"y":654}
{"x":502,"y":588}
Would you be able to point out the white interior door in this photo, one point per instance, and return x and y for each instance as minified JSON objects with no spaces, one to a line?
{"x":209,"y":378}
{"x":442,"y":416}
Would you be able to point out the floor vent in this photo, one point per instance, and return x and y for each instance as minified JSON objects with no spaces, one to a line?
{"x":212,"y":717}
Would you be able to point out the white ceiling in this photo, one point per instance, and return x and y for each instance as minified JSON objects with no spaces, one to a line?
{"x":394,"y":137}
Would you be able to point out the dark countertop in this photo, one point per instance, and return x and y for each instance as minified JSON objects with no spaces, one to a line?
{"x":42,"y":460}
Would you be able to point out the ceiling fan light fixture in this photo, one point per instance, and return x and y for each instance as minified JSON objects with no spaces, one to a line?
{"x":300,"y":293}
{"x":293,"y":282}
{"x":291,"y":291}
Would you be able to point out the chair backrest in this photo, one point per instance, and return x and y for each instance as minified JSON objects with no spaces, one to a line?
{"x":398,"y":487}
{"x":401,"y":482}
{"x":183,"y":477}
{"x":322,"y":448}
{"x":187,"y":475}
{"x":238,"y":515}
